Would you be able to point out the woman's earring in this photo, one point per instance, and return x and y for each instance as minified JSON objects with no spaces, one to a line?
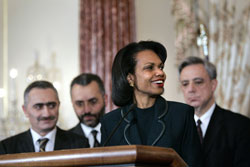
{"x":131,"y":84}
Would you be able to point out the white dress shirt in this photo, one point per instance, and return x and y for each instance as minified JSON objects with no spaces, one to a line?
{"x":205,"y":119}
{"x":87,"y":131}
{"x":50,"y":144}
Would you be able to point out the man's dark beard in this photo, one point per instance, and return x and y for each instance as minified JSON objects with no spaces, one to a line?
{"x":97,"y":116}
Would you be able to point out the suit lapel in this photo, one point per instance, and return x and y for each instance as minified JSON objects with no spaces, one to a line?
{"x":59,"y":140}
{"x":158,"y":124}
{"x":213,"y":131}
{"x":26,"y":142}
{"x":78,"y":130}
{"x":154,"y":132}
{"x":131,"y":133}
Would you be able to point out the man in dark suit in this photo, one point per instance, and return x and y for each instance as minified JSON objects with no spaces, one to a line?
{"x":88,"y":99}
{"x":225,"y":136}
{"x":41,"y":106}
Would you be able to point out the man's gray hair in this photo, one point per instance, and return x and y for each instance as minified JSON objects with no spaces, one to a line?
{"x":40,"y":85}
{"x":210,"y":68}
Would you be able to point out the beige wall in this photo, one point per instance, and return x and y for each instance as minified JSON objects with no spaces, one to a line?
{"x":155,"y":22}
{"x":1,"y":44}
{"x":52,"y":25}
{"x":45,"y":26}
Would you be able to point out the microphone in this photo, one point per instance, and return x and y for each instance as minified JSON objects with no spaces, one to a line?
{"x":131,"y":108}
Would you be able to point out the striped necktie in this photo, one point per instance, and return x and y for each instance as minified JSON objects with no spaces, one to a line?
{"x":42,"y":144}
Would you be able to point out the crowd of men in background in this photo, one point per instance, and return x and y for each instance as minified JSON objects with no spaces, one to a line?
{"x":224,"y":135}
{"x":41,"y":107}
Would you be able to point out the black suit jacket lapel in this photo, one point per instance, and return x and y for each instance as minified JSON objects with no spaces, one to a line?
{"x":26,"y":142}
{"x":78,"y":130}
{"x":59,"y":140}
{"x":158,"y":125}
{"x":213,"y":131}
{"x":130,"y":132}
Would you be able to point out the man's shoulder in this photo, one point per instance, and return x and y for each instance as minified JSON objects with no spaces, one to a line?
{"x":231,"y":119}
{"x":65,"y":132}
{"x":16,"y":138}
{"x":75,"y":128}
{"x":19,"y":143}
{"x":228,"y":114}
{"x":70,"y":137}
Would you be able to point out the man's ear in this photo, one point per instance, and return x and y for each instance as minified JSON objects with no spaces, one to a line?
{"x":25,"y":111}
{"x":214,"y":84}
{"x":59,"y":104}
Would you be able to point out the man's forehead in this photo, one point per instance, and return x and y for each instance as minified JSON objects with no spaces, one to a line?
{"x":192,"y":79}
{"x":86,"y":97}
{"x":193,"y":71}
{"x":90,"y":90}
{"x":42,"y":91}
{"x":42,"y":95}
{"x":47,"y":103}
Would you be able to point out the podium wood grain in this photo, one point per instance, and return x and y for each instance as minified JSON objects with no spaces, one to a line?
{"x":129,"y":155}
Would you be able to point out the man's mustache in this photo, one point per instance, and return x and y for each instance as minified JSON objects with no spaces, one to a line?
{"x":87,"y":114}
{"x":46,"y":118}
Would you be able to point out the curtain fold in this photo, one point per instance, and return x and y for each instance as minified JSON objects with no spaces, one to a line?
{"x":105,"y":27}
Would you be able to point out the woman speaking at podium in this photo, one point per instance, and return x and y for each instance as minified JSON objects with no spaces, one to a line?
{"x":144,"y":116}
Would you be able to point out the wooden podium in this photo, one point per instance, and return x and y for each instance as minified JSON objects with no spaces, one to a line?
{"x":130,"y":155}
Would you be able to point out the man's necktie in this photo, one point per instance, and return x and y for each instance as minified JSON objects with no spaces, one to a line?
{"x":96,"y":143}
{"x":42,"y":144}
{"x":199,"y":130}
